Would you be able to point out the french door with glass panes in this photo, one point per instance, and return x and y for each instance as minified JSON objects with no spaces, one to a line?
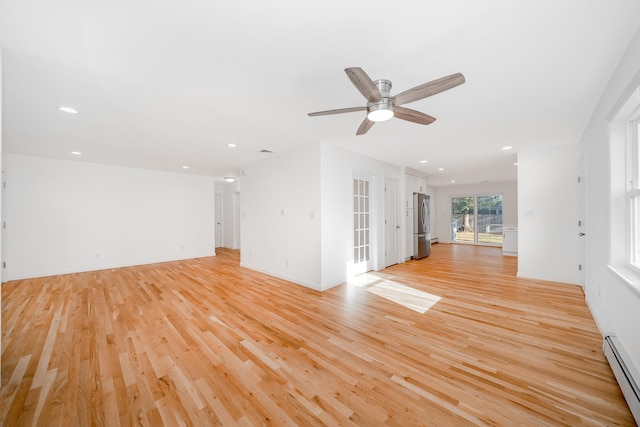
{"x":361,"y":226}
{"x":477,"y":219}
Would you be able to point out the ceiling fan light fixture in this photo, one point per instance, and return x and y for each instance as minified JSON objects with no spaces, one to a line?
{"x":380,"y":112}
{"x":230,"y":178}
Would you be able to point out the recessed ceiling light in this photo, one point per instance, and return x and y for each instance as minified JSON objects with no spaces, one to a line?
{"x":453,"y":180}
{"x":185,"y":167}
{"x":423,"y":161}
{"x":230,"y":178}
{"x":508,"y":147}
{"x":440,"y":169}
{"x":231,"y":145}
{"x":67,"y":110}
{"x":76,"y":153}
{"x":515,"y":164}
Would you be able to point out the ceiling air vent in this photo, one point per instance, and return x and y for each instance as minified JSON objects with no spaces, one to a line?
{"x":266,"y":151}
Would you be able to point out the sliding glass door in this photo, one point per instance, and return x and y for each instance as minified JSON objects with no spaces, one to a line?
{"x":477,"y":219}
{"x":463,"y":219}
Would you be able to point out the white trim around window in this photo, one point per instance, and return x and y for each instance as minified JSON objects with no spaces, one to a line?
{"x":625,"y":192}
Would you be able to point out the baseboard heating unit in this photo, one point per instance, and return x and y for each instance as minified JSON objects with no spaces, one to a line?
{"x":616,"y":356}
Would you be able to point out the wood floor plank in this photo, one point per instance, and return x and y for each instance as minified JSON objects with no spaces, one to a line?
{"x":206,"y":342}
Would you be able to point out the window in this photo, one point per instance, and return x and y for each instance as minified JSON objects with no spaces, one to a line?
{"x":624,"y":152}
{"x":633,"y":189}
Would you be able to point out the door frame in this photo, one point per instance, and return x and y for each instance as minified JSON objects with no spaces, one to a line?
{"x":218,"y":201}
{"x":476,"y":229}
{"x":389,"y":259}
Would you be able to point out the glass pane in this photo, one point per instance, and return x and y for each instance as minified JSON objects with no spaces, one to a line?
{"x":356,"y":252}
{"x":362,"y":254}
{"x":462,"y":219}
{"x":355,"y":222}
{"x":490,"y":219}
{"x":361,"y":190}
{"x":366,"y":188}
{"x":355,"y":186}
{"x":366,"y":221}
{"x":366,"y":204}
{"x":355,"y":239}
{"x":367,"y":253}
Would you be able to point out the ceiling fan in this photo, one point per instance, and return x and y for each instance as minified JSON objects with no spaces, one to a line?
{"x":382,"y":106}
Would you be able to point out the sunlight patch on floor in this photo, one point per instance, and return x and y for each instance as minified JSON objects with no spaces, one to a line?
{"x":406,"y":296}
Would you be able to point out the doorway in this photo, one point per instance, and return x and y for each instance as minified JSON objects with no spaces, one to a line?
{"x":218,"y":220}
{"x":391,"y":226}
{"x":582,"y":250}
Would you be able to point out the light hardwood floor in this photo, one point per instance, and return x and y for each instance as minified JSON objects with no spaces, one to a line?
{"x":206,"y":342}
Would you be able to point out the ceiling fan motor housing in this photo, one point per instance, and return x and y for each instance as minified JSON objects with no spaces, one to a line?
{"x":383,"y":109}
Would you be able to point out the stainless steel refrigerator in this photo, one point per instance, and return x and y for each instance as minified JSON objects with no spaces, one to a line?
{"x":421,"y":225}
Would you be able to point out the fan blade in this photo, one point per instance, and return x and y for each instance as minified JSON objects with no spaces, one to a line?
{"x":413,"y":116}
{"x":338,"y":111}
{"x":428,"y":89}
{"x":365,"y":126}
{"x":364,"y":84}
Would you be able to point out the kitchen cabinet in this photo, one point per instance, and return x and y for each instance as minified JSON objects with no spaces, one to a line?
{"x":510,"y":240}
{"x":413,"y":184}
{"x":408,"y":233}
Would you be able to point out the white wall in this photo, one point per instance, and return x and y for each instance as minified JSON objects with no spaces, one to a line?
{"x":614,"y":305}
{"x":548,"y":214}
{"x":68,"y":216}
{"x":338,"y":168}
{"x":508,"y":189}
{"x":297,"y":214}
{"x":280,"y":216}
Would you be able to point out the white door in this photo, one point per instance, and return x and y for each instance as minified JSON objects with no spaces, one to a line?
{"x":236,"y":220}
{"x":581,"y":226}
{"x":218,"y":220}
{"x":391,"y":223}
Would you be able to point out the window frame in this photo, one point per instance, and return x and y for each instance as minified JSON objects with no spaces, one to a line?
{"x":632,"y":190}
{"x":624,"y":149}
{"x":476,"y":218}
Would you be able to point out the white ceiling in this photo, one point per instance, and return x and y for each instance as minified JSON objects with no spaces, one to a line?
{"x":161,"y":84}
